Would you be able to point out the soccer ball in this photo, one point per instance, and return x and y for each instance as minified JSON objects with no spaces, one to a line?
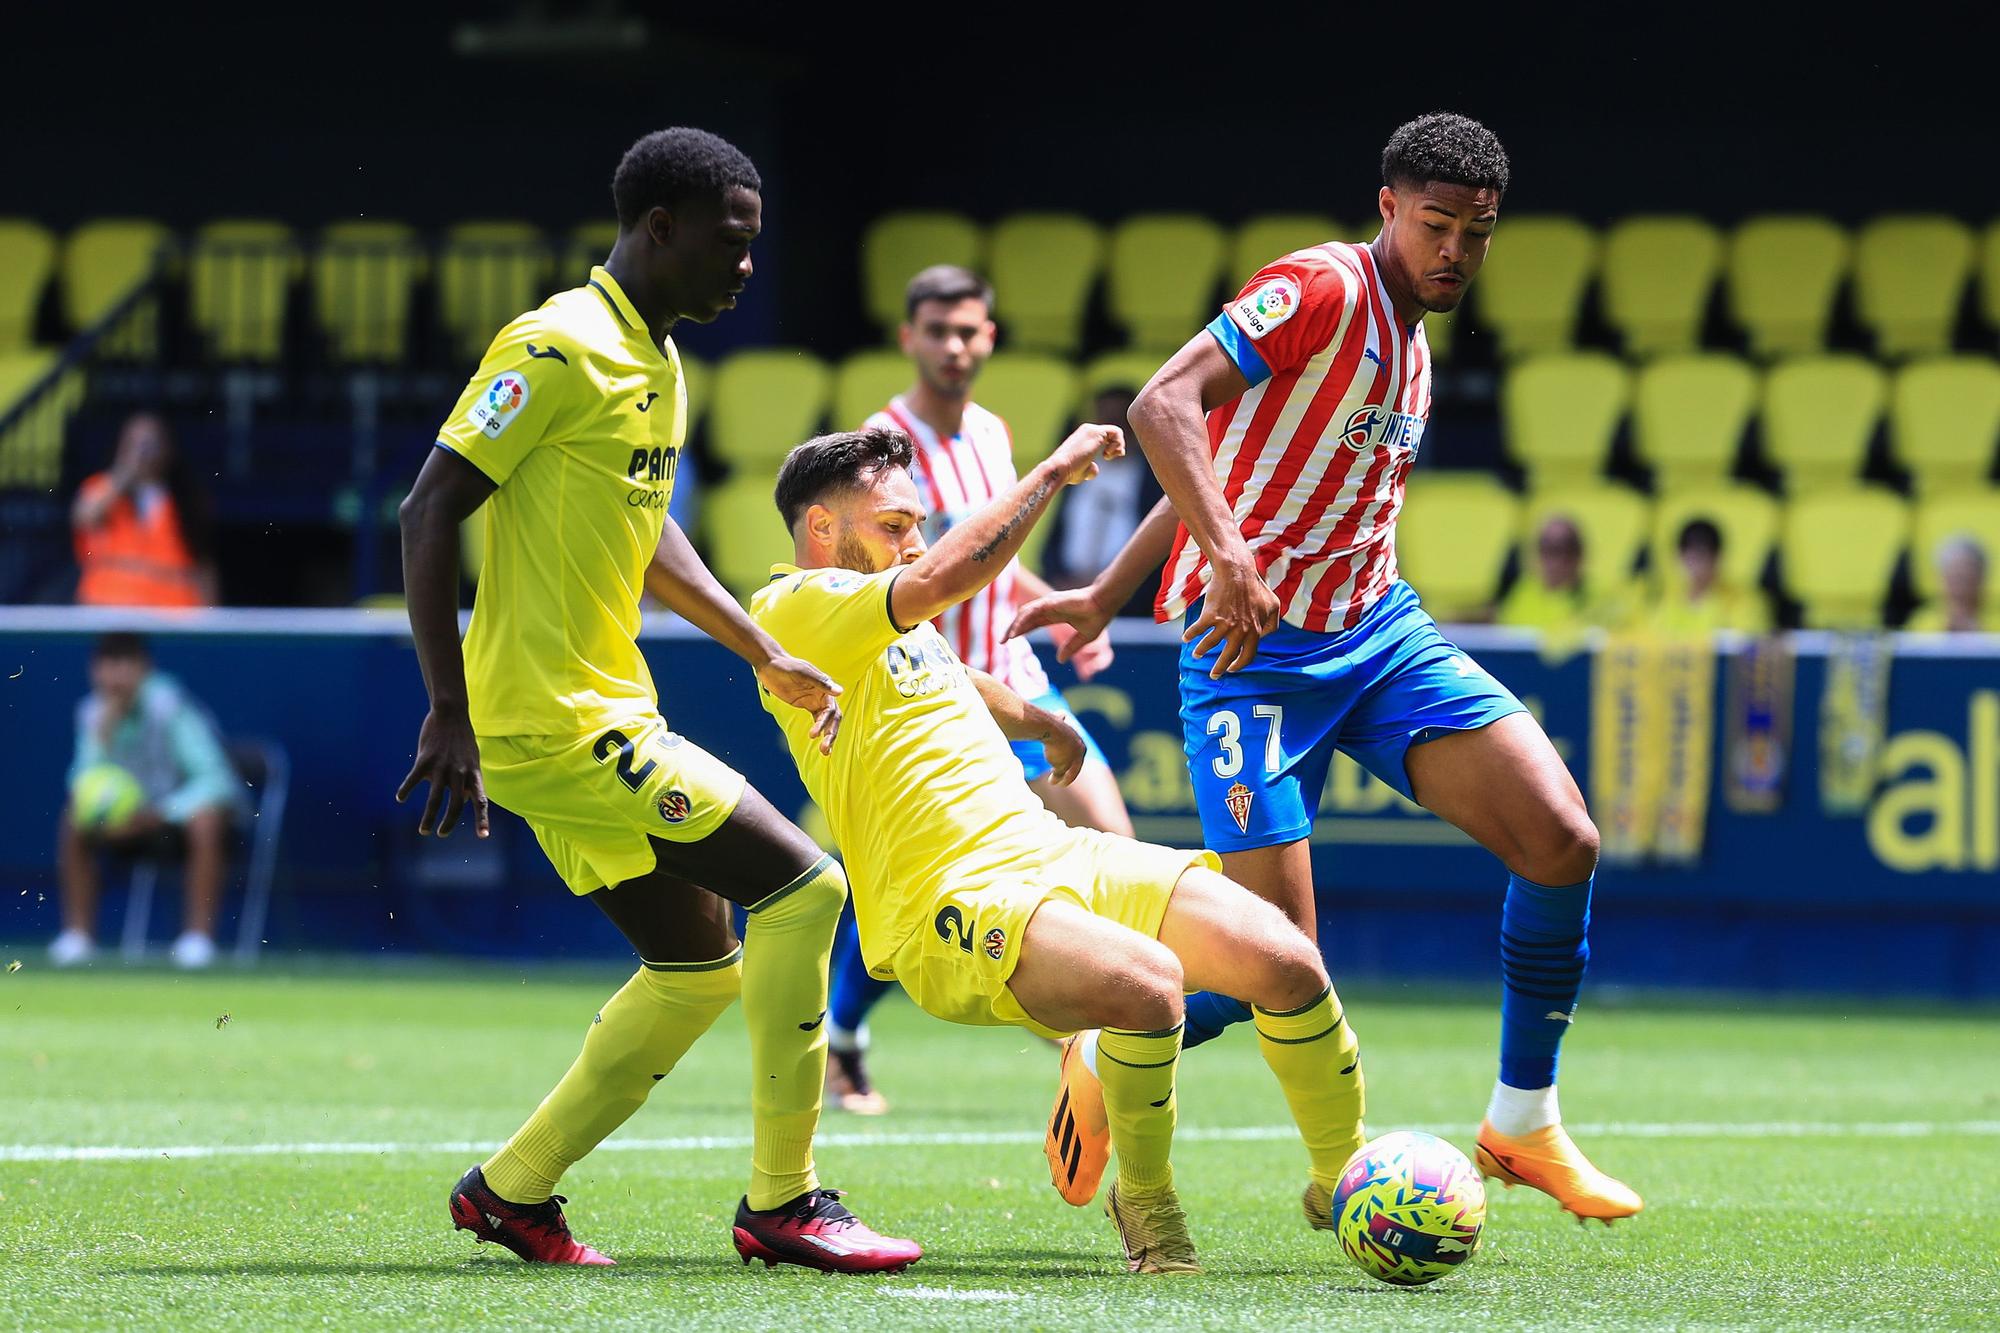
{"x":1409,"y":1208}
{"x":103,"y":794}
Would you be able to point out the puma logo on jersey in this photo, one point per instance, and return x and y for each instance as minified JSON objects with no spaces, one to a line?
{"x":547,"y":353}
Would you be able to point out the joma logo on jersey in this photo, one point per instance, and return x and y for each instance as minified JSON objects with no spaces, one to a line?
{"x":1376,"y":426}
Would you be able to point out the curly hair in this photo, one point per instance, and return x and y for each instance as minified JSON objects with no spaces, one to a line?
{"x":836,"y":462}
{"x":1448,"y":148}
{"x":668,"y":167}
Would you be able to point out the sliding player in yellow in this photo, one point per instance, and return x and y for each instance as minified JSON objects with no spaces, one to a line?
{"x":985,"y":906}
{"x":567,"y":441}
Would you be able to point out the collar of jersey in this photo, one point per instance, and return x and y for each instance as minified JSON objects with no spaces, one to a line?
{"x":621,"y":305}
{"x":783,"y":570}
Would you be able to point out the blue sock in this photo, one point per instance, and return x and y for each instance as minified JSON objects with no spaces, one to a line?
{"x":853,"y":992}
{"x":1544,"y":948}
{"x":1208,"y":1014}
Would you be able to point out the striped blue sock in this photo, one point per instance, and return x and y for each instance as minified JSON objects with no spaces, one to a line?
{"x":1208,"y":1014}
{"x":1544,"y":948}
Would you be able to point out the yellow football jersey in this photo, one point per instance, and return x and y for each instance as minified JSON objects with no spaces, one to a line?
{"x":578,"y":417}
{"x":921,"y":788}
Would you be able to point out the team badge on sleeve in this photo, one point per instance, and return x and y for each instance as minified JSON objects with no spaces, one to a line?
{"x":503,"y":400}
{"x":1265,"y":309}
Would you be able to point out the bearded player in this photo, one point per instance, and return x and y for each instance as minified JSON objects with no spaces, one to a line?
{"x":1282,"y":434}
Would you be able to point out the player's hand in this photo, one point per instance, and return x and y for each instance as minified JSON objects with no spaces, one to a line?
{"x":448,"y":759}
{"x":1079,"y":608}
{"x":1064,"y":750}
{"x":802,"y":685}
{"x":1077,"y":456}
{"x":1088,"y":658}
{"x":1238,"y":612}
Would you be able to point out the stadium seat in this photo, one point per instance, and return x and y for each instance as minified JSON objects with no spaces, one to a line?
{"x":700,"y":381}
{"x":1452,"y":540}
{"x":764,"y":402}
{"x":1944,"y":420}
{"x":1560,"y":414}
{"x":1035,"y":396}
{"x":27,"y":257}
{"x":1839,"y":548}
{"x":742,"y":532}
{"x":102,"y":263}
{"x":31,"y":450}
{"x":1163,"y":277}
{"x":1115,"y":370}
{"x":362,"y":278}
{"x":1782,"y":277}
{"x":1440,"y":331}
{"x":865,"y":382}
{"x":1274,"y":235}
{"x":897,"y":246}
{"x":1688,"y":417}
{"x":1973,"y":512}
{"x":1613,"y":520}
{"x":1746,"y":517}
{"x":1909,"y":278}
{"x":240,"y":277}
{"x":1042,"y":267}
{"x":1658,"y":273}
{"x":1819,"y":414}
{"x":489,"y":272}
{"x":1531,"y":290}
{"x":1989,"y":275}
{"x":589,"y":244}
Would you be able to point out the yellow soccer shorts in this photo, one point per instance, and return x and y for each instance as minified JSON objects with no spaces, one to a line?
{"x":956,"y":967}
{"x":594,"y":800}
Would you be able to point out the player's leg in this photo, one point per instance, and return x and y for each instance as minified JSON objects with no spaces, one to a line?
{"x":852,"y":994}
{"x":206,"y":834}
{"x":1092,"y":800}
{"x":79,"y":882}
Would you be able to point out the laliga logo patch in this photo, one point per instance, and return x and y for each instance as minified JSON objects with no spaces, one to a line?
{"x":1238,"y":800}
{"x":1267,"y":307}
{"x":995,"y":943}
{"x":504,"y":398}
{"x":675,"y":806}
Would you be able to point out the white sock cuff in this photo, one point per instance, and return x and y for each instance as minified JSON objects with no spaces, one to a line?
{"x":1518,"y":1111}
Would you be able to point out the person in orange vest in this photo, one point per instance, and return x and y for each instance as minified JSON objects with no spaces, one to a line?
{"x":132,"y":526}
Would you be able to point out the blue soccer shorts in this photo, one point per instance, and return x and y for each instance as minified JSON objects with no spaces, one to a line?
{"x":1260,"y":741}
{"x":1034,"y":762}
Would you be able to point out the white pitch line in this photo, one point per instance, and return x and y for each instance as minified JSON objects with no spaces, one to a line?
{"x":1770,"y":1129}
{"x":948,"y":1294}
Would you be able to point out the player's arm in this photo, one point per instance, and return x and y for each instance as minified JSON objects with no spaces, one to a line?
{"x":1020,"y":720}
{"x":1089,"y":610}
{"x":683,"y":584}
{"x":975,"y":551}
{"x":1090,"y":656}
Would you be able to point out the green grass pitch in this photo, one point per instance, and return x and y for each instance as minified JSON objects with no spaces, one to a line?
{"x":1835,"y":1166}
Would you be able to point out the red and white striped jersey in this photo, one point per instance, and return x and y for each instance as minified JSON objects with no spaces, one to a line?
{"x":1312,"y":458}
{"x":957,"y":477}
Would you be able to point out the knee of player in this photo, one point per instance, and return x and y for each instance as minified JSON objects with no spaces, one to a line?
{"x":817,"y":895}
{"x":1150,"y":992}
{"x":1564,"y":851}
{"x":1293,"y":974}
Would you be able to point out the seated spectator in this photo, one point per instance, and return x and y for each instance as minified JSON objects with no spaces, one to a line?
{"x":1092,"y":523}
{"x":139,"y":730}
{"x":1551,"y":595}
{"x":1961,"y":565}
{"x":140,"y":525}
{"x":1701,"y":601}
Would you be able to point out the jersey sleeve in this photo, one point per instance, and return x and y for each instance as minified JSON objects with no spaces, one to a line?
{"x":837,"y":619}
{"x":524,"y":394}
{"x":1283,"y":315}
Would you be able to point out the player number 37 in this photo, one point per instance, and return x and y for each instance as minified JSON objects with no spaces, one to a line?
{"x":1225,"y":723}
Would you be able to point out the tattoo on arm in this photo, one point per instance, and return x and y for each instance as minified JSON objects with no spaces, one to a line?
{"x":984,"y":552}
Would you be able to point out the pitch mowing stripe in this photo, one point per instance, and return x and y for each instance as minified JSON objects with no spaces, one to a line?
{"x":1772,"y":1129}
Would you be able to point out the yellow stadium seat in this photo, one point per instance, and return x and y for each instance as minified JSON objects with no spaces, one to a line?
{"x":1613,"y":521}
{"x":362,"y":277}
{"x":1944,"y":419}
{"x":742,"y":532}
{"x":699,"y":379}
{"x":1440,"y":329}
{"x":1839,"y":549}
{"x":31,"y":451}
{"x":27,"y":257}
{"x":1782,"y":277}
{"x":240,"y":278}
{"x":1688,"y":416}
{"x":102,"y":263}
{"x":1746,"y":517}
{"x":589,"y":244}
{"x":1035,"y":396}
{"x":1819,"y":414}
{"x":1043,"y":267}
{"x":1560,"y":414}
{"x":1658,"y":273}
{"x":1452,"y":540}
{"x":1531,"y":289}
{"x":1974,"y":513}
{"x":897,"y":246}
{"x":1989,"y":274}
{"x":489,"y":272}
{"x":866,"y":381}
{"x":1909,"y":277}
{"x":1114,"y":370}
{"x":763,"y":403}
{"x":1163,"y":276}
{"x":1274,"y":235}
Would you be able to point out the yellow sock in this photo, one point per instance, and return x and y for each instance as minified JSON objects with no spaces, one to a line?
{"x":633,"y":1043}
{"x":1317,"y":1059}
{"x":1137,"y":1070}
{"x":787,"y":944}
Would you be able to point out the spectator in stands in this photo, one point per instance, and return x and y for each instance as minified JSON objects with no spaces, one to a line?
{"x":1961,"y":565}
{"x":139,"y":730}
{"x":1703,"y":601}
{"x":1092,"y":525}
{"x":141,"y":526}
{"x":1551,"y":596}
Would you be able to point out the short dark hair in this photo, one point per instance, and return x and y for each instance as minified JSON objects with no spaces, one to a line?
{"x":1700,"y":532}
{"x":945,"y":282}
{"x":120,"y":646}
{"x":1448,"y":148}
{"x":669,"y":167}
{"x":836,"y":462}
